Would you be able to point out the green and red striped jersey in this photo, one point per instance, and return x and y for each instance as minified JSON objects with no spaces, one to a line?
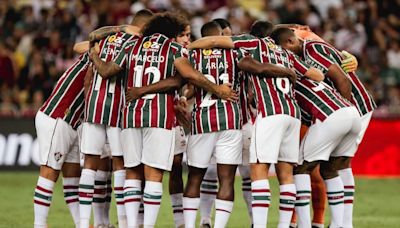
{"x":67,"y":99}
{"x":149,"y":60}
{"x":317,"y":100}
{"x":322,"y":55}
{"x":273,"y":95}
{"x":246,"y":105}
{"x":106,"y":97}
{"x":210,"y":113}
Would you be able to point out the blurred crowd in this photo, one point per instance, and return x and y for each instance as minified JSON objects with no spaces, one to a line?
{"x":36,"y":38}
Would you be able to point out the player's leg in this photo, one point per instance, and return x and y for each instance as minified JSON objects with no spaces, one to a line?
{"x":176,"y":190}
{"x":100,"y":190}
{"x":131,"y":140}
{"x":208,"y":193}
{"x":228,"y":155}
{"x":157,"y":158}
{"x":199,"y":152}
{"x":93,"y":141}
{"x":244,"y":169}
{"x":318,"y":197}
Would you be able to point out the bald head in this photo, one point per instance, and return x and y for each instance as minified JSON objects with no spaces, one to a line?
{"x":141,"y":18}
{"x":211,"y":28}
{"x":287,"y":39}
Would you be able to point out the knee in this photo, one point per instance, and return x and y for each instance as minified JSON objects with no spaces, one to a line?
{"x":341,"y":162}
{"x":305,"y":168}
{"x":118,"y":163}
{"x":91,"y":162}
{"x":49,"y":173}
{"x":71,"y":170}
{"x":328,"y":170}
{"x":135,"y":173}
{"x":226,"y":190}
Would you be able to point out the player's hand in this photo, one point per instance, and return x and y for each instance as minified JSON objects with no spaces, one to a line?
{"x":183,"y":102}
{"x":291,"y":75}
{"x":226,"y":92}
{"x":133,"y":93}
{"x":94,"y":51}
{"x":182,"y":115}
{"x":350,"y":63}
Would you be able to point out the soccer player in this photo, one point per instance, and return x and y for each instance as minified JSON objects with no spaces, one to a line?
{"x":103,"y":105}
{"x":324,"y":56}
{"x":147,"y":137}
{"x":56,"y":123}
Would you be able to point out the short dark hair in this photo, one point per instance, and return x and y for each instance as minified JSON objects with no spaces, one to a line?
{"x":141,"y":16}
{"x":223,"y":23}
{"x":280,"y":35}
{"x":261,"y":29}
{"x":168,"y":24}
{"x":209,"y":28}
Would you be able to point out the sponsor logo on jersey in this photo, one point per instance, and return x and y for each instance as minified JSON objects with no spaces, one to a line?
{"x":212,"y":53}
{"x":151,"y":46}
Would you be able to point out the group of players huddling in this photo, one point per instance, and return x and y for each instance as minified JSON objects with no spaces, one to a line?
{"x":250,"y":95}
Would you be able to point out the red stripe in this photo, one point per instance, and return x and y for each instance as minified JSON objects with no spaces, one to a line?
{"x":335,"y":197}
{"x":41,"y":203}
{"x":190,"y":209}
{"x":218,"y":209}
{"x":43,"y":189}
{"x":260,"y":205}
{"x":118,"y":188}
{"x":348,"y":201}
{"x":288,"y":194}
{"x":85,"y":195}
{"x":286,"y":209}
{"x":72,"y":200}
{"x":348,"y":187}
{"x":121,"y":203}
{"x":178,"y":211}
{"x":132,"y":200}
{"x":152,"y":203}
{"x":71,"y":187}
{"x":208,"y":192}
{"x":100,"y":191}
{"x":303,"y":197}
{"x":260,"y":190}
{"x":209,"y":180}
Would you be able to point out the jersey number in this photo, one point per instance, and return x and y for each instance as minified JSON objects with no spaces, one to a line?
{"x":207,"y":101}
{"x":283,"y":84}
{"x":139,"y":75}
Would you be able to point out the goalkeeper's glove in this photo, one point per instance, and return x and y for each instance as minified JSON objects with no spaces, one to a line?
{"x":350,"y":63}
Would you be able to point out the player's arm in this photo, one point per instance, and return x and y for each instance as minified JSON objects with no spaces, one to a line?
{"x":163,"y":86}
{"x":265,"y":69}
{"x":314,"y":74}
{"x":350,"y":63}
{"x":103,"y":32}
{"x":340,"y":80}
{"x":211,"y":42}
{"x":105,"y":69}
{"x":81,"y":47}
{"x":88,"y":79}
{"x":196,"y":78}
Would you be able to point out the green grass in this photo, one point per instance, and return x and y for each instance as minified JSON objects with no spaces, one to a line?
{"x":377,"y":204}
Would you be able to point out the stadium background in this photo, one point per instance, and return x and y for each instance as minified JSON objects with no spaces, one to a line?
{"x":36,"y":39}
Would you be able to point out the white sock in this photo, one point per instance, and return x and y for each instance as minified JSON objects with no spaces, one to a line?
{"x":71,"y":197}
{"x":286,"y":204}
{"x":260,"y":202}
{"x":152,"y":195}
{"x":208,"y":193}
{"x":223,"y":210}
{"x":335,"y":192}
{"x":349,"y":188}
{"x":107,"y":200}
{"x":99,"y":196}
{"x":177,"y":207}
{"x":133,"y":198}
{"x":42,"y":201}
{"x":119,"y":181}
{"x":86,"y":191}
{"x":246,"y":187}
{"x":303,"y":196}
{"x":190,"y":206}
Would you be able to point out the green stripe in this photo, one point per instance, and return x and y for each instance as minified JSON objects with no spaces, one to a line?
{"x":331,"y":193}
{"x":335,"y":203}
{"x":161,"y":107}
{"x":348,"y":193}
{"x":132,"y":193}
{"x":98,"y":200}
{"x":261,"y":197}
{"x":92,"y":103}
{"x":303,"y":192}
{"x":85,"y":186}
{"x":222,"y":122}
{"x":67,"y":194}
{"x":301,"y":204}
{"x":85,"y":202}
{"x":207,"y":186}
{"x":119,"y":196}
{"x":48,"y":198}
{"x":99,"y":183}
{"x":148,"y":196}
{"x":180,"y":205}
{"x":204,"y":120}
{"x":286,"y":201}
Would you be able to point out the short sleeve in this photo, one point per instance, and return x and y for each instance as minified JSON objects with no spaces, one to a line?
{"x":306,"y":118}
{"x":321,"y":59}
{"x":245,"y":41}
{"x":299,"y":65}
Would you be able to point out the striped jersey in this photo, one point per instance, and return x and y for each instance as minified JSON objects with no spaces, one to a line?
{"x":322,"y":55}
{"x":149,"y":60}
{"x":210,"y":113}
{"x":317,"y":100}
{"x":67,"y":99}
{"x":273,"y":95}
{"x":106,"y":97}
{"x":247,"y":106}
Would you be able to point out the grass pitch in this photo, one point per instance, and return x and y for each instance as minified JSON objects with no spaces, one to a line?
{"x":377,"y":204}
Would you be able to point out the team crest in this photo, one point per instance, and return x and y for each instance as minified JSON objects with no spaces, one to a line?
{"x":58,"y":156}
{"x":272,"y":45}
{"x":207,"y":52}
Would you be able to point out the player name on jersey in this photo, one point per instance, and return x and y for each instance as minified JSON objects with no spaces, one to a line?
{"x":322,"y":55}
{"x":210,"y":113}
{"x":105,"y":98}
{"x":152,"y":110}
{"x":67,"y":99}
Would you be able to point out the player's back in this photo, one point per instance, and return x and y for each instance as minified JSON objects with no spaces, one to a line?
{"x":211,"y":113}
{"x":149,"y":60}
{"x":67,"y":98}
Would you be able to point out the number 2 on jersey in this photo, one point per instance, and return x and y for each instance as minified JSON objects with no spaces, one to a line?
{"x":207,"y":101}
{"x":139,"y":76}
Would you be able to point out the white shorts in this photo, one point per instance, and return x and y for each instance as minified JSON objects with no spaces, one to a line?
{"x":180,"y":140}
{"x":336,"y":136}
{"x":95,"y":136}
{"x":247,"y":130}
{"x":365,"y":119}
{"x":275,"y":138}
{"x":58,"y":141}
{"x":151,"y":146}
{"x":226,"y":146}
